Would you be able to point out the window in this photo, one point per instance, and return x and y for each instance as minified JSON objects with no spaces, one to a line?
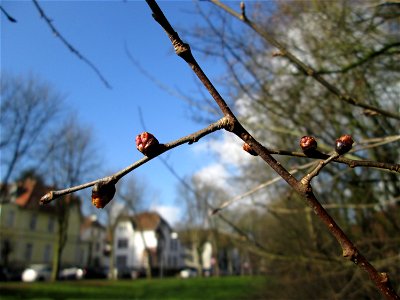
{"x":174,"y":245}
{"x":47,"y":253}
{"x":10,"y":218}
{"x":33,"y":222}
{"x":122,"y":228}
{"x":28,"y":252}
{"x":50,"y":224}
{"x":174,"y":261}
{"x":122,"y":243}
{"x":121,"y":261}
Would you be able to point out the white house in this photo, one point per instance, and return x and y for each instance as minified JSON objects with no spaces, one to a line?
{"x":94,"y":236}
{"x":144,"y":239}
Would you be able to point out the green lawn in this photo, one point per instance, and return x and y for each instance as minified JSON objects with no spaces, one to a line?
{"x":231,"y":288}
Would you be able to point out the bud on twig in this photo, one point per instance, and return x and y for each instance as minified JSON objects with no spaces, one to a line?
{"x":308,"y":144}
{"x":277,"y":53}
{"x":243,"y":9}
{"x":247,"y":148}
{"x":102,"y":193}
{"x":147,"y":143}
{"x":344,"y":144}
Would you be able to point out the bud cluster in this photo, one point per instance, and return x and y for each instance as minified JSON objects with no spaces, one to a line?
{"x":343,"y":144}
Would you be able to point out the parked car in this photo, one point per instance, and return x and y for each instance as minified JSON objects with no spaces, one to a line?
{"x":4,"y":274}
{"x":40,"y":272}
{"x":36,"y":273}
{"x":71,"y":273}
{"x":188,"y":272}
{"x":96,"y":272}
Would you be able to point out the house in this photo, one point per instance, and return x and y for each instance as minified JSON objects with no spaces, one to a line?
{"x":212,"y":252}
{"x":28,"y":231}
{"x":94,"y":237}
{"x":146,"y":241}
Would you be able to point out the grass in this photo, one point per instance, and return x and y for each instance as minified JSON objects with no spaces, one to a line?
{"x":232,"y":288}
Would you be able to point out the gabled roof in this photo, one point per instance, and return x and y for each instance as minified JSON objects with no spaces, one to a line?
{"x":89,"y":222}
{"x":29,"y":192}
{"x":146,"y":221}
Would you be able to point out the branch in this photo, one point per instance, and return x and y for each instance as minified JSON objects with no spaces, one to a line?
{"x":225,"y":204}
{"x":189,"y":139}
{"x":362,"y":61}
{"x":352,"y":163}
{"x":68,"y":45}
{"x":307,"y":70}
{"x":9,"y":17}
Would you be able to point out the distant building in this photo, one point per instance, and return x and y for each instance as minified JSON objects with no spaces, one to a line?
{"x":143,"y":235}
{"x":28,"y":231}
{"x":94,"y":238}
{"x":211,"y":252}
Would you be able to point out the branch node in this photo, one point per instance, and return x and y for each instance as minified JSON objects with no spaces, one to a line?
{"x":384,"y":277}
{"x":47,"y":198}
{"x":243,"y":9}
{"x":350,"y":253}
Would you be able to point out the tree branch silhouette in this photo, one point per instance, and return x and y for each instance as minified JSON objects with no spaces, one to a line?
{"x":8,"y":16}
{"x":69,"y":45}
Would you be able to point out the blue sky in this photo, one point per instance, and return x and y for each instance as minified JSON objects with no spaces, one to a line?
{"x":99,"y":30}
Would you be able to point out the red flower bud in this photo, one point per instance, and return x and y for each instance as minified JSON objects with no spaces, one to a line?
{"x":308,"y":144}
{"x":247,"y":148}
{"x":146,"y":143}
{"x":102,"y":193}
{"x":344,"y":144}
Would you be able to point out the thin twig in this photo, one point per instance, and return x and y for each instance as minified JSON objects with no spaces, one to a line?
{"x":68,"y":45}
{"x":261,"y":186}
{"x":8,"y":16}
{"x":306,"y":180}
{"x":189,"y":139}
{"x":352,"y":163}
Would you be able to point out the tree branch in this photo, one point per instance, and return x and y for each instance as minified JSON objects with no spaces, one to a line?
{"x":68,"y":45}
{"x":8,"y":16}
{"x":189,"y":139}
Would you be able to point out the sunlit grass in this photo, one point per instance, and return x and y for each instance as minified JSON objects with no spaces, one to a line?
{"x":232,"y":288}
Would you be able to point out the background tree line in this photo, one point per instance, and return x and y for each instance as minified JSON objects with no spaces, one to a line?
{"x":41,"y":137}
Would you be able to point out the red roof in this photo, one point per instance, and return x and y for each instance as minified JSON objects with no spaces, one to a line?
{"x":29,"y":193}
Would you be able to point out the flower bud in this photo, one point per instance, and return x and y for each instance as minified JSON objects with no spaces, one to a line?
{"x":344,"y":144}
{"x":146,"y":143}
{"x":247,"y":148}
{"x":308,"y":144}
{"x":102,"y":193}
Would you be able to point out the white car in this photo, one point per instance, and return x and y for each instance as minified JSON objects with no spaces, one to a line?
{"x":71,"y":273}
{"x":36,"y":273}
{"x":41,"y":272}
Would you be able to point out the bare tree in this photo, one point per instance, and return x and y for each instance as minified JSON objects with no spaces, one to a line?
{"x":29,"y":107}
{"x":72,"y":159}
